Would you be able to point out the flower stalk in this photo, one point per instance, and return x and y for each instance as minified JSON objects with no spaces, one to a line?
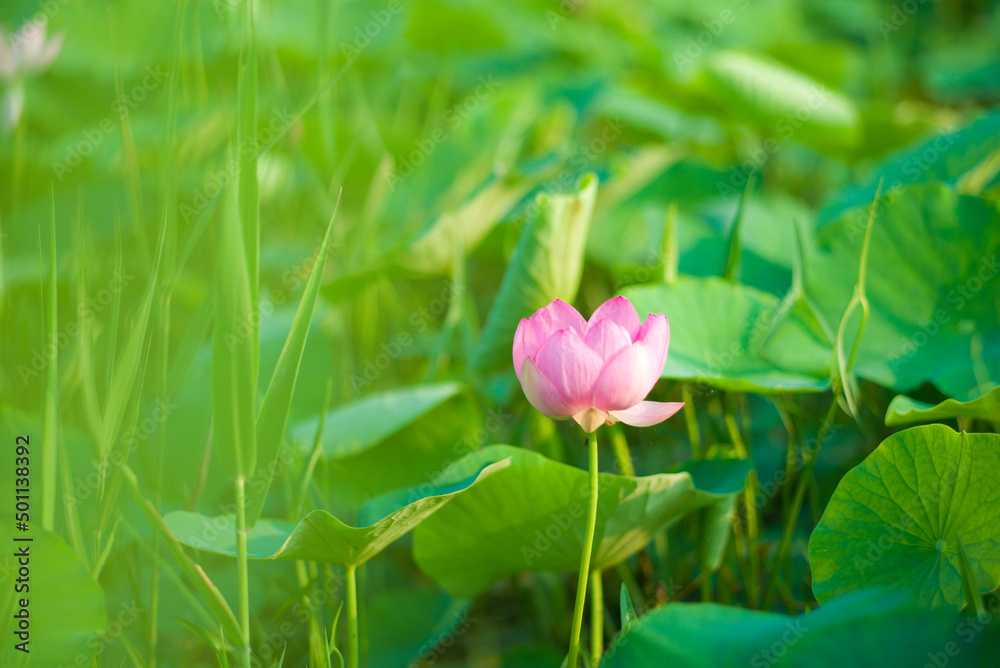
{"x":588,"y":548}
{"x":352,"y":616}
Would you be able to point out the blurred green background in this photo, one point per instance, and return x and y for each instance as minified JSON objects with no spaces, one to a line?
{"x":435,"y":124}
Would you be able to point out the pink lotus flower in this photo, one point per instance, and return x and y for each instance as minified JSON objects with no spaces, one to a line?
{"x":597,"y":371}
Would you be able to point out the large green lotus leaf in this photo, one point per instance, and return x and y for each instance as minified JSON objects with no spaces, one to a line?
{"x":871,"y":628}
{"x":904,"y":410}
{"x":66,"y":603}
{"x":644,"y":112}
{"x":628,"y":238}
{"x":531,"y":517}
{"x":895,"y":520}
{"x":417,"y":454}
{"x":787,"y":102}
{"x":932,"y":285}
{"x":322,"y":537}
{"x":945,"y":157}
{"x":547,"y":264}
{"x":357,"y":426}
{"x":722,"y":336}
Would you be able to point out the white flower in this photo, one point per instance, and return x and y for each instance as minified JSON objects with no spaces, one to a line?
{"x":27,"y":51}
{"x":22,"y":54}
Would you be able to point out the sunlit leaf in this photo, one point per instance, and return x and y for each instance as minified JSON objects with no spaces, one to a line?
{"x":944,"y":157}
{"x":896,"y":518}
{"x":870,"y":628}
{"x":788,"y":102}
{"x":728,"y":336}
{"x":531,"y":515}
{"x":931,"y":283}
{"x":359,"y":425}
{"x":322,"y":537}
{"x":547,"y":264}
{"x":457,"y":232}
{"x":273,"y":414}
{"x":904,"y":410}
{"x":66,"y":605}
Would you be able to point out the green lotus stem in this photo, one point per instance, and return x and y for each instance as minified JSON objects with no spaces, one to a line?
{"x":622,"y":453}
{"x":352,"y":616}
{"x":749,"y":498}
{"x":596,"y":616}
{"x":809,"y":456}
{"x":588,"y":547}
{"x":691,"y":420}
{"x":705,"y":587}
{"x":243,"y":571}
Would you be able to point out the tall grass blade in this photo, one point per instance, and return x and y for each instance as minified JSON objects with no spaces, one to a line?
{"x":733,"y":259}
{"x":50,"y":421}
{"x":126,"y":370}
{"x":85,"y":337}
{"x":234,"y":368}
{"x":273,"y":416}
{"x":247,"y":153}
{"x":216,"y":603}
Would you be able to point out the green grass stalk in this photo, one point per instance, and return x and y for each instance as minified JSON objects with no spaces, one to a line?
{"x":243,"y":572}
